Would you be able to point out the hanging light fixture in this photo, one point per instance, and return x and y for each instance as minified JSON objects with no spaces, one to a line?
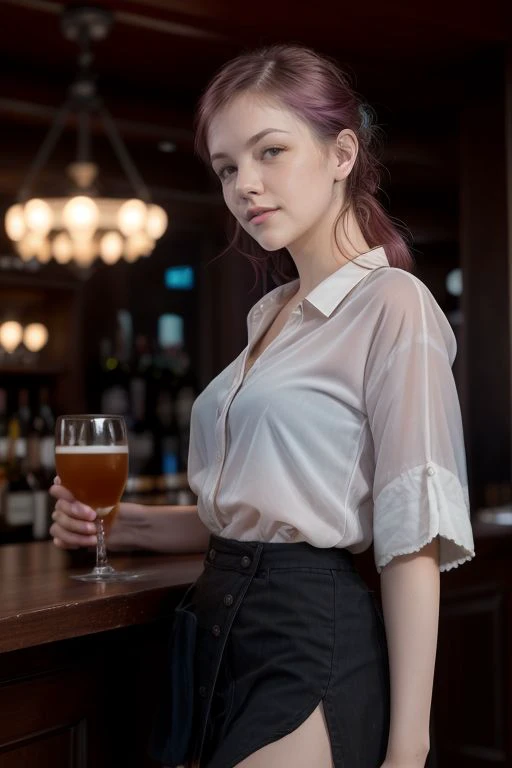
{"x":84,"y":226}
{"x":35,"y":336}
{"x":11,"y":334}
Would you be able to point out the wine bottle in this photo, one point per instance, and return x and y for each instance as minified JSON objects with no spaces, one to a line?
{"x":24,"y":415}
{"x":19,"y":502}
{"x":37,"y":481}
{"x":44,"y":425}
{"x":140,"y":436}
{"x":115,"y":392}
{"x":169,"y":437}
{"x":39,"y":465}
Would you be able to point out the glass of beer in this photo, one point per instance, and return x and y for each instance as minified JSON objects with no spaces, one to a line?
{"x":91,"y":458}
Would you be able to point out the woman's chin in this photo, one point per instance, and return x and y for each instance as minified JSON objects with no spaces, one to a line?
{"x":272,"y":242}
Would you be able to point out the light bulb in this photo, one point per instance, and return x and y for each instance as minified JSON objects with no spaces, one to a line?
{"x":111,"y":247}
{"x":62,"y":248}
{"x":80,"y":215}
{"x":84,"y":251}
{"x":42,"y":250}
{"x":15,"y":223}
{"x":35,"y":336}
{"x":156,"y":223}
{"x":11,"y":333}
{"x":38,"y":216}
{"x":137,"y":245}
{"x":30,"y":246}
{"x":131,"y":217}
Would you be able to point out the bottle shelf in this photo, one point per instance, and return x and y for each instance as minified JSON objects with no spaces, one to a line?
{"x":21,"y":370}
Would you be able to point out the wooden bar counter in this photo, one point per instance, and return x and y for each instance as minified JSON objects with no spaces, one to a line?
{"x":81,"y":663}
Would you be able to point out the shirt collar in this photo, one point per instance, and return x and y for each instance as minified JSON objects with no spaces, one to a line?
{"x":331,"y":291}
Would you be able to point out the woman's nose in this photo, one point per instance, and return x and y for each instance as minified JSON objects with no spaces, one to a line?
{"x":248,"y":180}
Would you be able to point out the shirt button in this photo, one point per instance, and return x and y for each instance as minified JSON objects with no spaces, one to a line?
{"x":202,"y":692}
{"x":211,"y":554}
{"x":216,"y":630}
{"x":245,"y":561}
{"x":228,"y":600}
{"x":430,"y":470}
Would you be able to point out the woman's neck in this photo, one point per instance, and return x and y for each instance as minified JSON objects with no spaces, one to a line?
{"x":322,"y":256}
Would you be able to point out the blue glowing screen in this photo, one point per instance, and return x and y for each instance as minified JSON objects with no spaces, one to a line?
{"x":179,"y":278}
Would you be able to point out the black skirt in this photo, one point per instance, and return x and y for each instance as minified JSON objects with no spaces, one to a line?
{"x":265,"y":634}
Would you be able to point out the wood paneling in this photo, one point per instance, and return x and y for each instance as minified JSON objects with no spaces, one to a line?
{"x":83,"y":703}
{"x":473,"y":658}
{"x":81,"y":664}
{"x":485,"y":252}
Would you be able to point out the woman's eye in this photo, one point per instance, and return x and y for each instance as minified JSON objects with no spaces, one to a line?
{"x":273,"y":151}
{"x":225,"y":172}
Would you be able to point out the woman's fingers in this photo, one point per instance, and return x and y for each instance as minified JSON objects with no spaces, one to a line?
{"x":73,"y":525}
{"x":59,"y":492}
{"x":65,"y":539}
{"x":76,"y":510}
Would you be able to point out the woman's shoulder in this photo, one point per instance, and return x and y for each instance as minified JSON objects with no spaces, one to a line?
{"x":404,"y":305}
{"x":400,"y":292}
{"x":391,"y":282}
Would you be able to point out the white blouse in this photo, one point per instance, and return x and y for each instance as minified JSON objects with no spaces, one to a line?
{"x":347,"y":428}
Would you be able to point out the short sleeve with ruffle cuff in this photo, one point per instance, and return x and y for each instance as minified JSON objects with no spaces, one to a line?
{"x":420,"y":479}
{"x":429,"y":501}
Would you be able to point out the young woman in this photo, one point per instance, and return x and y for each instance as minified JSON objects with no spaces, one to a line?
{"x":337,"y":426}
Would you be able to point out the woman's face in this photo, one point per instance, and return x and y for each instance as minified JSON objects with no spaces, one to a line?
{"x":278,"y":180}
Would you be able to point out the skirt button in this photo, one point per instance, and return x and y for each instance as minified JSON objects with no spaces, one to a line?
{"x":215,"y":630}
{"x":211,"y":554}
{"x":245,"y":561}
{"x":202,"y":692}
{"x":228,"y":600}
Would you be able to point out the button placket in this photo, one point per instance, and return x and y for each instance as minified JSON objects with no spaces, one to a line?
{"x":220,"y":438}
{"x":221,"y":633}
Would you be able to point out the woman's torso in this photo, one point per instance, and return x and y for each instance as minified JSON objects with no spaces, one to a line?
{"x":283,"y":451}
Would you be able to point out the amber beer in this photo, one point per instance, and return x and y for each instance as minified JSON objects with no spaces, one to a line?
{"x":95,"y":474}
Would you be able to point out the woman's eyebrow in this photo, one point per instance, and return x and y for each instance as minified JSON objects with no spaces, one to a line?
{"x":250,"y":142}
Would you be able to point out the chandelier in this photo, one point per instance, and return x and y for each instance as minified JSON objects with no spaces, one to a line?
{"x":84,"y":226}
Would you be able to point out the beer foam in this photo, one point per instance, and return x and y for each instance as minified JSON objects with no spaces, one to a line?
{"x":92,"y":449}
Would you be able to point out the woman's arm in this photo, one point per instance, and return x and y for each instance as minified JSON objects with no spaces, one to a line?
{"x":410,"y":588}
{"x":136,"y":526}
{"x":163,"y":529}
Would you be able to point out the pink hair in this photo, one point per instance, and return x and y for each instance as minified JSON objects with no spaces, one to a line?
{"x":319,"y":93}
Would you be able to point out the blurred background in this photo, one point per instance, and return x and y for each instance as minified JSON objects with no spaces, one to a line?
{"x":138,"y":318}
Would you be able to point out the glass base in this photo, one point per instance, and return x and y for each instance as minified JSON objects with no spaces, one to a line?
{"x":106,"y":573}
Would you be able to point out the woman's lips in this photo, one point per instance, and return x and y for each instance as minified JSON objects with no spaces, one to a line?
{"x":261,"y":217}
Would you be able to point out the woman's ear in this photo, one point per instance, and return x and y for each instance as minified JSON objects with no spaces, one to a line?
{"x":346,"y":151}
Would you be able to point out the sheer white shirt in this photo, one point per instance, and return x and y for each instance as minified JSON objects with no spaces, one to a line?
{"x":347,"y":428}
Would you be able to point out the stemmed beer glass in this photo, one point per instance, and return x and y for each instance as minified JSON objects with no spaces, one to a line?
{"x":91,"y":458}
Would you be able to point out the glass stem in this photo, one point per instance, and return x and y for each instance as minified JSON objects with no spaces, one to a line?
{"x":101,"y":549}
